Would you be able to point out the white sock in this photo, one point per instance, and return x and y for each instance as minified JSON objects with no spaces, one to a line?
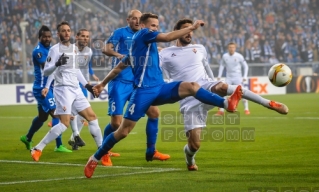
{"x":245,"y":103}
{"x":80,"y":123}
{"x":225,"y":105}
{"x":95,"y":131}
{"x":249,"y":95}
{"x":54,"y":132}
{"x":74,"y":127}
{"x":190,"y":155}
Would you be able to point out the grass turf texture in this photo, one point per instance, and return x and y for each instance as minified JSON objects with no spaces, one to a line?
{"x":284,"y":154}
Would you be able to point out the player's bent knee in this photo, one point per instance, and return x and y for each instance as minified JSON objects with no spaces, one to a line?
{"x":153,"y":112}
{"x":43,"y":117}
{"x":220,"y":89}
{"x":189,"y":87}
{"x":115,"y":125}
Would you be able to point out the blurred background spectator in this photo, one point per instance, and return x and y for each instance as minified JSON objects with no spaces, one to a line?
{"x":266,"y":31}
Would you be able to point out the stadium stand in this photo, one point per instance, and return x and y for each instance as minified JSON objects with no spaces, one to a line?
{"x":264,"y":33}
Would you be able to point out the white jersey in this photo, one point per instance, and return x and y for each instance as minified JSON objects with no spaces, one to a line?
{"x":233,"y":64}
{"x":64,"y":75}
{"x":187,"y":63}
{"x":84,"y":58}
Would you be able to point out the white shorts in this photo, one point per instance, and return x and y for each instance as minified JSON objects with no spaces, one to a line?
{"x":195,"y":112}
{"x":69,"y":100}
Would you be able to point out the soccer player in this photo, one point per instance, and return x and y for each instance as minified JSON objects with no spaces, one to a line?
{"x":234,"y":62}
{"x":121,"y":87}
{"x":188,"y":62}
{"x":150,"y":88}
{"x":46,"y":105}
{"x":84,"y":61}
{"x":62,"y":62}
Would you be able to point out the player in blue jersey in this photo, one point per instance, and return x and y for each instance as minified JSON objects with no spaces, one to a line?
{"x":46,"y":105}
{"x":121,"y":87}
{"x":150,"y":88}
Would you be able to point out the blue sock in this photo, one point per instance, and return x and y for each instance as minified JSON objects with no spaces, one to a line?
{"x":58,"y":140}
{"x":209,"y":98}
{"x":108,"y":130}
{"x":151,"y":134}
{"x":108,"y":143}
{"x":35,"y":126}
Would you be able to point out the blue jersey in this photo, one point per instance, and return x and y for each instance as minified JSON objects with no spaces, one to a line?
{"x":122,"y":39}
{"x":144,"y":59}
{"x":39,"y":56}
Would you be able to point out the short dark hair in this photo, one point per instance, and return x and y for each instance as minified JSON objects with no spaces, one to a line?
{"x":231,"y":43}
{"x":146,"y":16}
{"x":80,"y":31}
{"x":62,"y":23}
{"x":43,"y":28}
{"x":181,"y":22}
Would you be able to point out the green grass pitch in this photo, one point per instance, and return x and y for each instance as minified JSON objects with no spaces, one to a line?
{"x":285,"y":153}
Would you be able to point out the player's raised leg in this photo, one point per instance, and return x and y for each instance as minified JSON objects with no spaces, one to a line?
{"x":186,"y":89}
{"x":223,"y":88}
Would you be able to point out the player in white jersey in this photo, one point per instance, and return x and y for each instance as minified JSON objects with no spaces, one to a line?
{"x":62,"y":62}
{"x":84,"y":57}
{"x":188,"y":62}
{"x":234,"y":62}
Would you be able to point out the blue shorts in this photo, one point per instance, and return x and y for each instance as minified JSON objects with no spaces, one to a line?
{"x":84,"y":90}
{"x":45,"y":103}
{"x":143,"y":98}
{"x":119,"y":92}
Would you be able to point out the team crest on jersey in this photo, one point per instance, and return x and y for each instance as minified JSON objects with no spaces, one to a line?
{"x":49,"y":59}
{"x":39,"y":55}
{"x":194,"y":50}
{"x":173,"y":55}
{"x":64,"y":108}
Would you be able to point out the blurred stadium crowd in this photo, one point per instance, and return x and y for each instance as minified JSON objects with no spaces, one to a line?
{"x":266,"y":31}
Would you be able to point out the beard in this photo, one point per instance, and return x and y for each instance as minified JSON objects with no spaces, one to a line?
{"x":184,"y":41}
{"x":62,"y":39}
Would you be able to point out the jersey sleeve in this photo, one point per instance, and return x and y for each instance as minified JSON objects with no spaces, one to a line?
{"x":49,"y":66}
{"x":91,"y":72}
{"x":115,"y":37}
{"x":90,"y":68}
{"x":245,"y":66}
{"x":206,"y":64}
{"x":163,"y":67}
{"x":38,"y":56}
{"x":221,"y":67}
{"x":149,"y":36}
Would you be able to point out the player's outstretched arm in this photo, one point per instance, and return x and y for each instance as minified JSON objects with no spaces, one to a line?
{"x":109,"y":51}
{"x":167,"y":37}
{"x":111,"y":75}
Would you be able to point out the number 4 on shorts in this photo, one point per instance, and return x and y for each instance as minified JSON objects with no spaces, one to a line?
{"x":131,"y":109}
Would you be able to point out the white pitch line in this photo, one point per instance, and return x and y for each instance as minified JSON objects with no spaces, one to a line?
{"x":258,"y":117}
{"x":82,"y":165}
{"x":82,"y":177}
